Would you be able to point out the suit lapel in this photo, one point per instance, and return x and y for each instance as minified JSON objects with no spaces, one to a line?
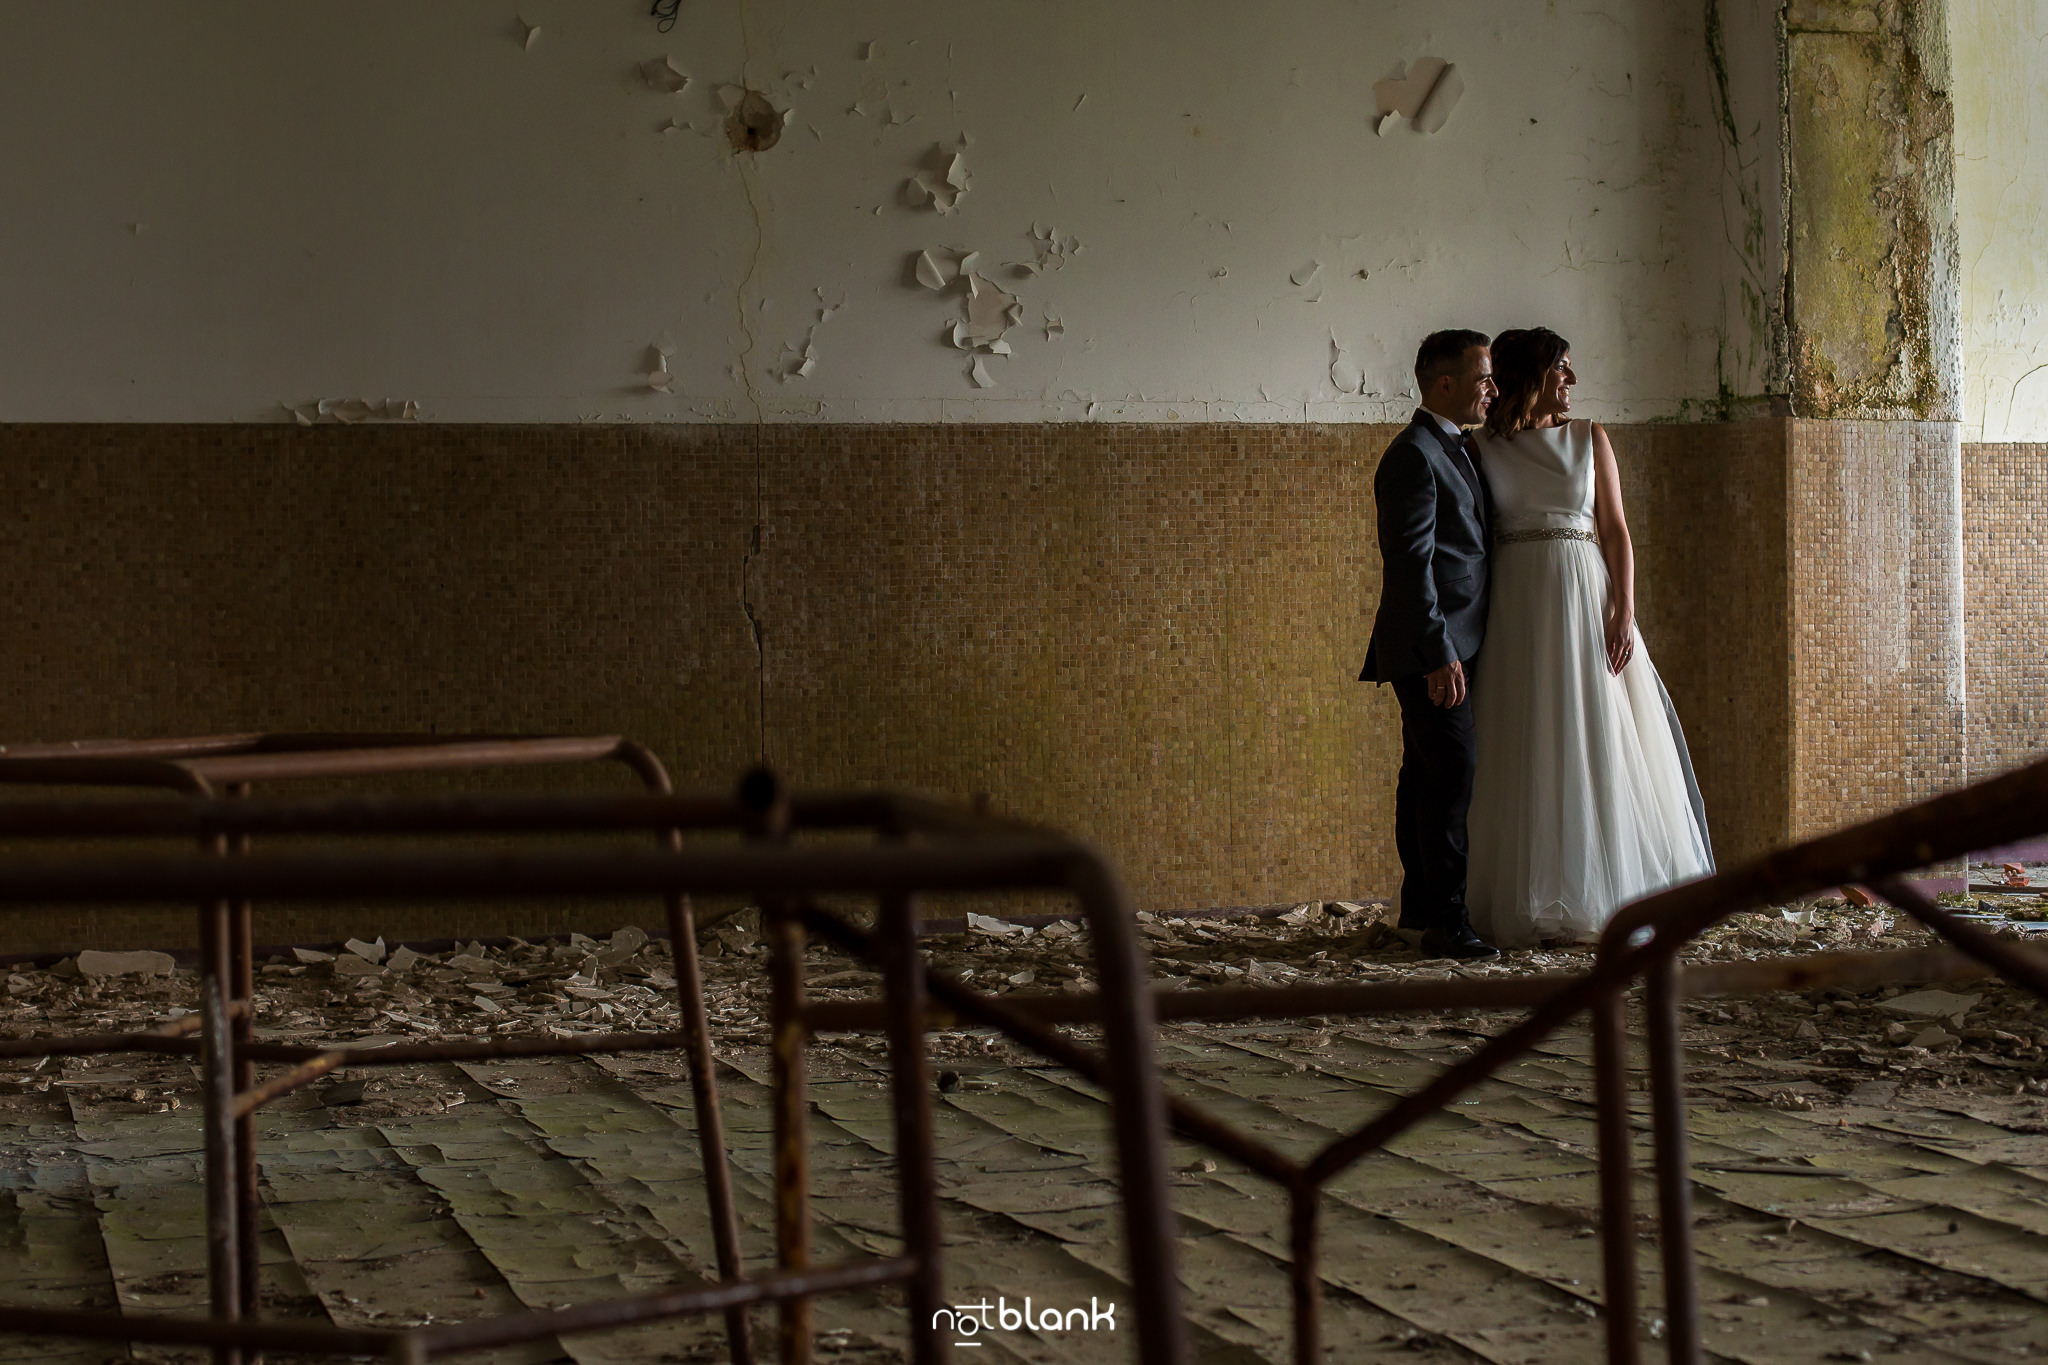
{"x":1454,"y":451}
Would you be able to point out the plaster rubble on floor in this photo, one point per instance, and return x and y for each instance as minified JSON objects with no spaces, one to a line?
{"x":1872,"y":1148}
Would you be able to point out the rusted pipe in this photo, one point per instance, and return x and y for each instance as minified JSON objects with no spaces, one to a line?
{"x":996,"y":863}
{"x":173,"y":1037}
{"x":696,"y":1048}
{"x":242,"y":991}
{"x":910,"y":1102}
{"x":137,"y":771}
{"x":1617,"y":1193}
{"x":680,"y":914}
{"x":1453,"y":1081}
{"x":2001,"y":810}
{"x":218,"y":1125}
{"x":1304,"y":1273}
{"x":2021,"y":968}
{"x":179,"y":747}
{"x":1852,"y":971}
{"x":1674,"y":1167}
{"x":1139,"y":1109}
{"x":782,"y":929}
{"x":512,"y":1328}
{"x":791,"y":1103}
{"x":917,"y":1196}
{"x":404,"y":758}
{"x":966,"y":1003}
{"x":184,"y":1331}
{"x":249,"y":1100}
{"x":1233,"y":1002}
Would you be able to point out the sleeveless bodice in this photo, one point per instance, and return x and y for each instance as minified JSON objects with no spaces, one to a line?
{"x":1541,"y":479}
{"x":1583,"y":797}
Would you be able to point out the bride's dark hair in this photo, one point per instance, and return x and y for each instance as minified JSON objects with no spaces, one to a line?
{"x":1521,"y":358}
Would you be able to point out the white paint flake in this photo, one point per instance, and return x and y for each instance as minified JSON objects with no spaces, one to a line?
{"x":1424,"y":96}
{"x":662,"y":73}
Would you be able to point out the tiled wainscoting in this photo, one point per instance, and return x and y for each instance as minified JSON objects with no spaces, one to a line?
{"x":1145,"y":634}
{"x":2005,"y":553}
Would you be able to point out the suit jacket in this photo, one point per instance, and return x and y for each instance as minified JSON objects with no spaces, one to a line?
{"x":1435,"y":513}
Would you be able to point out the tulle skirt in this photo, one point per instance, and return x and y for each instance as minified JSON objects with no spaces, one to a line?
{"x":1584,"y":798}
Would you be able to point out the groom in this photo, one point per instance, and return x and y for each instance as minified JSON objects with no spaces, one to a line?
{"x":1434,"y":507}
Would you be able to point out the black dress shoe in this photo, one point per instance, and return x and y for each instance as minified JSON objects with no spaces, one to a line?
{"x":1458,"y":942}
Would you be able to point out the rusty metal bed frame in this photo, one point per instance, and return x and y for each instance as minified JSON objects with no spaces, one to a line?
{"x":209,"y":765}
{"x":930,"y":848}
{"x":921,"y":846}
{"x":1641,"y":944}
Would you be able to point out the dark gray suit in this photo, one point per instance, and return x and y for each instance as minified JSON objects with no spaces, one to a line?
{"x":1435,"y":512}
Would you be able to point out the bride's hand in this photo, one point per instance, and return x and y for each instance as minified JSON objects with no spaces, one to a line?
{"x":1621,"y":638}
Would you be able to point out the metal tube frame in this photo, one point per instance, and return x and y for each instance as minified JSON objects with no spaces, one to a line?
{"x":1005,"y":855}
{"x":233,"y":763}
{"x":1640,"y":943}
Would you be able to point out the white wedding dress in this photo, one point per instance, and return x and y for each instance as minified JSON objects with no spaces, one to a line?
{"x":1584,"y":798}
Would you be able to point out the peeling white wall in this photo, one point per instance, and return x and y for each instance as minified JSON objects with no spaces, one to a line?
{"x":2000,"y":52}
{"x":217,"y":208}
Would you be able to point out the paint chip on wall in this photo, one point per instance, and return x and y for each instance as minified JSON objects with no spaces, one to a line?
{"x":1346,"y":374}
{"x":802,"y":364}
{"x":527,"y":33}
{"x":658,"y":377}
{"x":664,"y":75}
{"x":1436,"y":110}
{"x":978,"y":372}
{"x":929,"y":272}
{"x":1052,"y":252}
{"x":1306,"y":275}
{"x":1424,"y":95}
{"x":991,"y":310}
{"x":352,"y":410}
{"x":940,"y":181}
{"x":988,"y":311}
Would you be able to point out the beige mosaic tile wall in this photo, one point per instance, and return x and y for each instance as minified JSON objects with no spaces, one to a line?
{"x":1706,"y":510}
{"x":197,"y":579}
{"x":1146,"y":634}
{"x":1878,"y":687}
{"x":2005,"y":549}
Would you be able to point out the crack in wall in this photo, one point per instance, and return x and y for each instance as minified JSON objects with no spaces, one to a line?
{"x":745,"y":369}
{"x":753,"y":552}
{"x":1740,"y":172}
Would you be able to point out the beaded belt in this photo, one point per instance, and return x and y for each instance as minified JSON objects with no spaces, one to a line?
{"x":1548,"y":533}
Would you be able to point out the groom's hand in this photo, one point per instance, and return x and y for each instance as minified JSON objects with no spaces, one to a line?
{"x":1447,"y":684}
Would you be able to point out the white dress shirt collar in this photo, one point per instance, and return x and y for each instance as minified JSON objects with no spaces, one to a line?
{"x":1450,"y":428}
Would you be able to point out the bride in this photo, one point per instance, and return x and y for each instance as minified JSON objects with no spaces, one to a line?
{"x":1584,"y":798}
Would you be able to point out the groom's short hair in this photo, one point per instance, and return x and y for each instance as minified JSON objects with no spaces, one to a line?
{"x":1443,"y":353}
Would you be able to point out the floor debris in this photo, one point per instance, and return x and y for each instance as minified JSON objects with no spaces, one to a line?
{"x":1872,"y":1168}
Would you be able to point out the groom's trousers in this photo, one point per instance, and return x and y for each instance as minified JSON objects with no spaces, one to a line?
{"x":1432,"y":797}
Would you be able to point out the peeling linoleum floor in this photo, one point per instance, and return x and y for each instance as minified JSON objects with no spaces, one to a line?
{"x":1909,"y":1225}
